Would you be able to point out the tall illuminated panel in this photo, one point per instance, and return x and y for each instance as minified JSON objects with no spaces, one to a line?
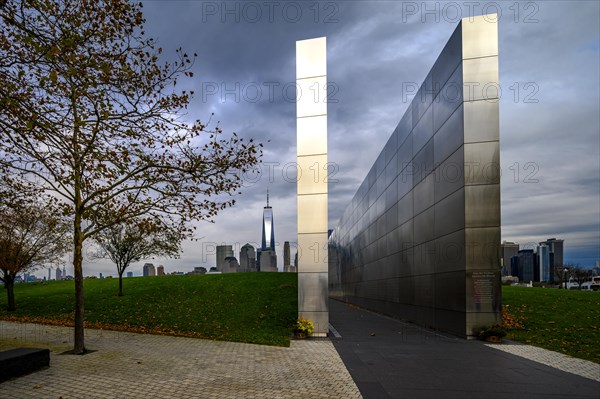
{"x":311,"y":125}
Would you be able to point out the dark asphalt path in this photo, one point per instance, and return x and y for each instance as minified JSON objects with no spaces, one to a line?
{"x":388,"y":358}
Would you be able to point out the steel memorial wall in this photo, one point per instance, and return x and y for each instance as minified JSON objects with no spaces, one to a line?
{"x":419,"y":240}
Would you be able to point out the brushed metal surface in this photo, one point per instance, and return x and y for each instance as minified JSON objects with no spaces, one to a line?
{"x":402,"y":246}
{"x":312,"y":135}
{"x":312,"y":213}
{"x":311,"y":287}
{"x":423,"y":194}
{"x":423,"y":226}
{"x":423,"y":162}
{"x":482,"y":121}
{"x":422,"y":99}
{"x":482,"y":163}
{"x":312,"y":252}
{"x":423,"y":131}
{"x":311,"y":58}
{"x":311,"y":124}
{"x":480,"y":36}
{"x":480,"y":79}
{"x":451,"y":252}
{"x":449,"y":99}
{"x":312,"y":174}
{"x":449,"y":59}
{"x":482,"y":206}
{"x":311,"y":96}
{"x":450,"y":213}
{"x":482,"y":248}
{"x":404,"y":126}
{"x":449,"y":137}
{"x":449,"y":175}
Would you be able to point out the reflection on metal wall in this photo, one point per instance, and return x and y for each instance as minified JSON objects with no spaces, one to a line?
{"x":311,"y":119}
{"x":419,"y":240}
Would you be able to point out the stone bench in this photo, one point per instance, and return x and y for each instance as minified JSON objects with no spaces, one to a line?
{"x":21,"y":361}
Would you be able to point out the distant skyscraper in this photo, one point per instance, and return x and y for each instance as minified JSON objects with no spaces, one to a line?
{"x":507,"y":251}
{"x":149,"y":270}
{"x":129,"y":274}
{"x":543,"y":255}
{"x":58,"y":274}
{"x":556,"y":248}
{"x":49,"y":273}
{"x":268,"y":261}
{"x":230,"y":265}
{"x":100,"y":275}
{"x":268,"y":229}
{"x":247,"y":259}
{"x":160,"y":270}
{"x":223,"y":251}
{"x":526,"y":265}
{"x":514,"y":266}
{"x":286,"y":257}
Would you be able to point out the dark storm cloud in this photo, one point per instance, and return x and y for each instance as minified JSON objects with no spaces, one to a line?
{"x":245,"y":72}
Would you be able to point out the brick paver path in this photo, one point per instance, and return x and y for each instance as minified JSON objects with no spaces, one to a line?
{"x":127,"y":365}
{"x":557,"y":360}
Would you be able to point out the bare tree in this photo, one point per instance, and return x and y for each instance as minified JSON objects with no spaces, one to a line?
{"x":126,"y":243}
{"x":30,"y":235}
{"x":89,"y":114}
{"x":578,"y":274}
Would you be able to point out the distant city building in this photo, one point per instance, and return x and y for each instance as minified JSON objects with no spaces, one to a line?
{"x":267,"y":250}
{"x":268,"y":229}
{"x":286,"y":257}
{"x":230,"y":265}
{"x":59,"y":275}
{"x":526,"y":265}
{"x":49,"y":273}
{"x":100,"y":275}
{"x":197,"y":270}
{"x":247,"y":259}
{"x":148,"y":270}
{"x":223,"y":251}
{"x":514,"y":266}
{"x":556,"y":248}
{"x":596,"y":268}
{"x":296,"y":261}
{"x":507,"y":251}
{"x":129,"y":274}
{"x":160,"y":270}
{"x":268,"y":261}
{"x":543,"y":262}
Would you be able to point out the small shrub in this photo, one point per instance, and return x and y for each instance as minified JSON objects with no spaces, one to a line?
{"x":304,"y":326}
{"x":484,"y":332}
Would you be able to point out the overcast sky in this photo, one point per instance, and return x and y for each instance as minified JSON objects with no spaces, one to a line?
{"x":549,"y":55}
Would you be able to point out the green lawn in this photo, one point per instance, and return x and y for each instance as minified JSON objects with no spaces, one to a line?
{"x":560,"y":320}
{"x":244,"y":307}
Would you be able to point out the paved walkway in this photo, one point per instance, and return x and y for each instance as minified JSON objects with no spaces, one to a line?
{"x":391,"y":359}
{"x":130,"y":365}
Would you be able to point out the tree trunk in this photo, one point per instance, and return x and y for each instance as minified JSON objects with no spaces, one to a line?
{"x":79,"y":347}
{"x":120,"y":283}
{"x":9,"y":283}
